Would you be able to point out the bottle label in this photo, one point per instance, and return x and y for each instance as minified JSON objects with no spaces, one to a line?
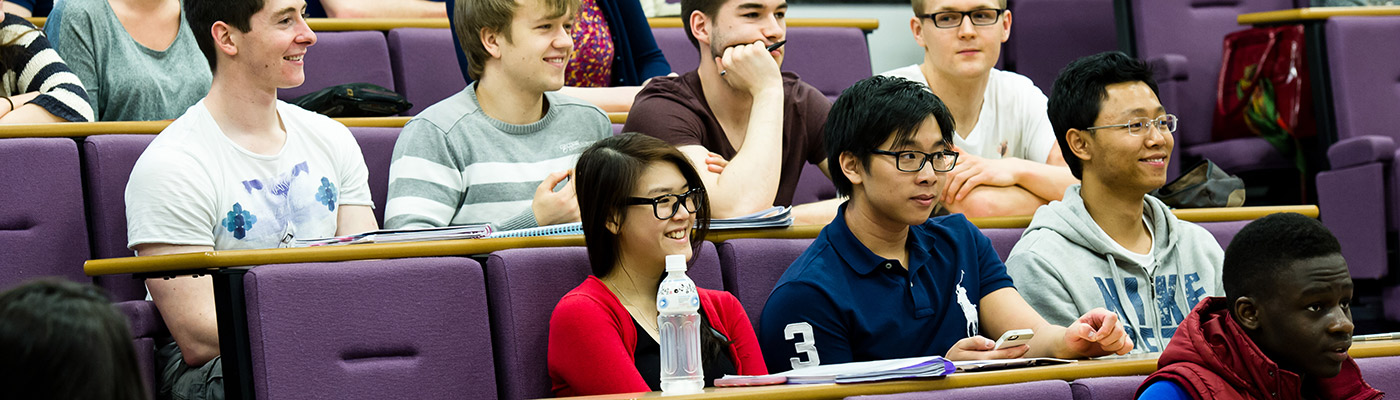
{"x":678,"y":294}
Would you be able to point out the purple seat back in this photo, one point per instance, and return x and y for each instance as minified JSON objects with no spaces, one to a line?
{"x":682,"y":56}
{"x":524,"y":285}
{"x":425,"y":66}
{"x":752,"y":267}
{"x":1003,"y":239}
{"x":42,"y":227}
{"x":344,"y":57}
{"x":1362,"y":106}
{"x":107,"y":164}
{"x":1224,"y":231}
{"x":1380,"y":372}
{"x":808,"y":53}
{"x":1047,"y":34}
{"x":377,"y":146}
{"x":146,"y":328}
{"x":1106,"y":388}
{"x":402,"y":328}
{"x":1038,"y":390}
{"x":813,"y":186}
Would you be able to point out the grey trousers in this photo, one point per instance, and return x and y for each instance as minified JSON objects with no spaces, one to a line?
{"x":180,"y":381}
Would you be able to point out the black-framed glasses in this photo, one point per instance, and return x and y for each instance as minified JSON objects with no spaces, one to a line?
{"x":954,"y":19}
{"x":913,"y":161}
{"x":667,"y":205}
{"x":1138,"y":126}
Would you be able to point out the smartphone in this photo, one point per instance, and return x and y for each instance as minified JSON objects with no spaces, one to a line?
{"x":1014,"y":338}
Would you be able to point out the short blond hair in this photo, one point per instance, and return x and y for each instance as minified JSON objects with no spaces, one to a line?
{"x":474,"y":15}
{"x":919,"y":5}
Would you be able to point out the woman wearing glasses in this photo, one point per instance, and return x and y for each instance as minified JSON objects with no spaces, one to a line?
{"x":640,"y":200}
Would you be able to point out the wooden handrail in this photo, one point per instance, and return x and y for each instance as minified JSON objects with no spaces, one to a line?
{"x":385,"y":24}
{"x":1314,"y":14}
{"x":81,"y":129}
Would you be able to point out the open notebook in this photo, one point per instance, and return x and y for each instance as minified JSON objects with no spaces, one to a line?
{"x":572,"y":228}
{"x":864,"y":371}
{"x":401,"y":235}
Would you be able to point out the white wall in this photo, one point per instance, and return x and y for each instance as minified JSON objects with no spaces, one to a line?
{"x":891,"y":46}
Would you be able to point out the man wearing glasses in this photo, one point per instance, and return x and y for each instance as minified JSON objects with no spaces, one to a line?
{"x":884,"y":281}
{"x":1107,"y":243}
{"x":1009,"y":163}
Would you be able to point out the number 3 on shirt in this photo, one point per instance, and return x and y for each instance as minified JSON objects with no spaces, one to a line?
{"x":808,"y":344}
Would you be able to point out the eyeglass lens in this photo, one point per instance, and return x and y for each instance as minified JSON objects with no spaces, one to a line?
{"x":667,"y":206}
{"x":1165,"y":124}
{"x":912,"y":161}
{"x":953,"y":19}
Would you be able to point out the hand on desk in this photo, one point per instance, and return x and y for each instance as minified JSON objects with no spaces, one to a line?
{"x":980,"y":348}
{"x":1098,"y":333}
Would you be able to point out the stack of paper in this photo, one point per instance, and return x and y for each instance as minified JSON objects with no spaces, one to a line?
{"x":776,"y":217}
{"x":988,"y":365}
{"x":870,"y":371}
{"x":401,"y":235}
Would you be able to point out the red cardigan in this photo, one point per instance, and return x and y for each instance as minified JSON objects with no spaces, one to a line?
{"x":592,"y":339}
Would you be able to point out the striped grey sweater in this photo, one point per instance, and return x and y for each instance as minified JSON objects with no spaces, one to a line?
{"x":33,"y":66}
{"x":454,"y":165}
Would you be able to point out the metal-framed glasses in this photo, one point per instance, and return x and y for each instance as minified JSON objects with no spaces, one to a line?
{"x":667,"y":205}
{"x":1138,"y":126}
{"x":954,"y":19}
{"x":913,"y":161}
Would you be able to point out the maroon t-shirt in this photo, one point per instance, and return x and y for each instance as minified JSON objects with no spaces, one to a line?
{"x":674,"y":109}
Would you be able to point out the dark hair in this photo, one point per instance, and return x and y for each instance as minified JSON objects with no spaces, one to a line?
{"x":870,"y":111}
{"x":202,"y":14}
{"x":606,"y":175}
{"x":1080,"y":91}
{"x":63,"y":340}
{"x":688,"y":7}
{"x":1268,"y":244}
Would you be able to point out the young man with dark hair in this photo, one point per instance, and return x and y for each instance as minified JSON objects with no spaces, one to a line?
{"x":239,"y":170}
{"x":883,"y":280}
{"x":1281,"y":331}
{"x":496,"y":151}
{"x":737,"y":106}
{"x":1010,"y":164}
{"x":1107,"y":243}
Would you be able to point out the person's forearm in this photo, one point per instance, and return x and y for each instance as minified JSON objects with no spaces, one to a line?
{"x":15,"y":9}
{"x":1049,"y":341}
{"x":1046,"y":181}
{"x":384,"y":9}
{"x":29,"y":114}
{"x":750,"y":182}
{"x":610,"y":99}
{"x":818,"y":213}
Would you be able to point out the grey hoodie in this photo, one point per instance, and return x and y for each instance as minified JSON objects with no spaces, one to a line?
{"x":1065,"y":265}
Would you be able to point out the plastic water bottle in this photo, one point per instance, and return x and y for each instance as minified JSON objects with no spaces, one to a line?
{"x":678,"y":304}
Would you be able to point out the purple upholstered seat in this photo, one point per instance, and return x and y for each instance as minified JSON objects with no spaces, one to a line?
{"x":813,"y":186}
{"x":345,"y":57}
{"x":682,"y":55}
{"x":146,"y":328}
{"x":1224,"y":231}
{"x":1381,"y":372}
{"x":107,"y":163}
{"x":1048,"y":34}
{"x":1038,"y":390}
{"x":42,"y":227}
{"x":1359,"y":198}
{"x":377,"y":146}
{"x":425,"y":66}
{"x":808,"y":53}
{"x":524,"y":285}
{"x":1106,"y":388}
{"x":1188,"y":35}
{"x":411,"y":328}
{"x":752,"y":267}
{"x":1003,"y":240}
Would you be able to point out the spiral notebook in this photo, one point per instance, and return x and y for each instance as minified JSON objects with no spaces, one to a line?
{"x":573,"y":228}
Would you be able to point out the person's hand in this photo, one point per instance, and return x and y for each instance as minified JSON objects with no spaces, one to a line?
{"x":1098,"y":333}
{"x":750,"y":68}
{"x":973,"y":171}
{"x":980,"y":348}
{"x":553,"y":207}
{"x":715,"y":163}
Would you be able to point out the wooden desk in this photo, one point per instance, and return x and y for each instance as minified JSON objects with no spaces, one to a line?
{"x":1313,"y":14}
{"x":81,"y":129}
{"x":865,"y":24}
{"x":1138,"y":364}
{"x":385,"y":24}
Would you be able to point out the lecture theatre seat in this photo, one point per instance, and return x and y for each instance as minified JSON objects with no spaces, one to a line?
{"x":1048,"y":34}
{"x":1037,"y":390}
{"x":377,"y":146}
{"x":752,"y":267}
{"x":411,"y":328}
{"x":146,"y":329}
{"x":809,"y":53}
{"x":1224,"y":231}
{"x":1003,"y":240}
{"x":1106,"y":388}
{"x":43,"y":230}
{"x":1381,"y":373}
{"x":813,"y":186}
{"x":107,"y":164}
{"x":524,"y":285}
{"x":344,"y":57}
{"x":425,"y":66}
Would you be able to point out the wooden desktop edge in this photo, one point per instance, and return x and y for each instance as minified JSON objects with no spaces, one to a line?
{"x":1313,"y":14}
{"x":385,"y":24}
{"x":81,"y":129}
{"x":239,"y":258}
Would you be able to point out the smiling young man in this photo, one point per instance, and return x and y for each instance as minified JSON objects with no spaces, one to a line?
{"x":496,"y":151}
{"x":1282,"y":330}
{"x":738,"y":106}
{"x":239,"y":170}
{"x":1010,"y":164}
{"x":1107,"y":243}
{"x":883,"y":280}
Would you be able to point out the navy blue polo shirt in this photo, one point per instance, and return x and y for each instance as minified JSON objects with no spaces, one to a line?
{"x":839,"y":302}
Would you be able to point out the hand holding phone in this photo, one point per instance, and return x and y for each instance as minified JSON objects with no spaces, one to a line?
{"x":1013,"y":338}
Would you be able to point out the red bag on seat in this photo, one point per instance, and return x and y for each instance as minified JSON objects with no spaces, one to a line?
{"x":1264,"y":90}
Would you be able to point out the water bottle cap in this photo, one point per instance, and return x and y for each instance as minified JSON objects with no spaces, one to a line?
{"x":675,"y":262}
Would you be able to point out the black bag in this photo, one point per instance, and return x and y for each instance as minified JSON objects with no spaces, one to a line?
{"x":1204,"y":185}
{"x":354,"y":100}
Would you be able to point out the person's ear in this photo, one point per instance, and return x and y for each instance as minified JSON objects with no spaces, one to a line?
{"x":852,"y":168}
{"x":700,"y":28}
{"x":614,"y":224}
{"x":1079,"y":144}
{"x":918,"y":29}
{"x":1006,"y":26}
{"x":1246,"y":312}
{"x":224,"y":38}
{"x":491,"y":40}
